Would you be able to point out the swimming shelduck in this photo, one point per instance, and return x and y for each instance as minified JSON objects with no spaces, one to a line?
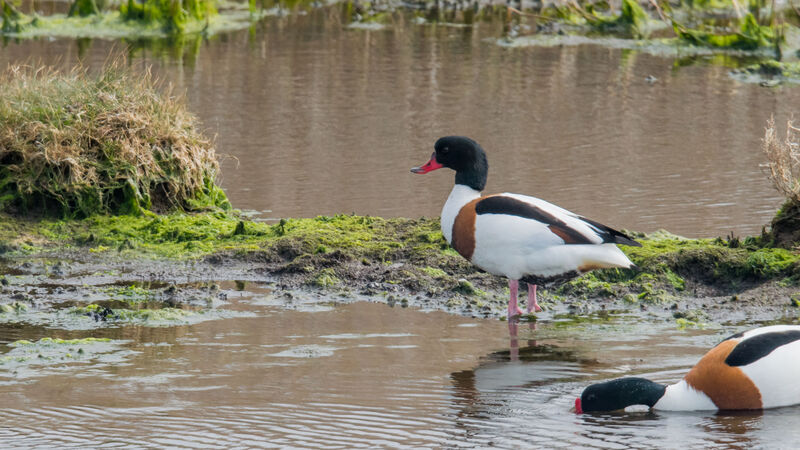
{"x":757,"y":369}
{"x":519,"y":237}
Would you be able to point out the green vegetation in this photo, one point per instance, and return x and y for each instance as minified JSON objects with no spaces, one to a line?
{"x":133,"y":19}
{"x":337,"y":251}
{"x":55,"y":351}
{"x":705,"y":5}
{"x":683,"y":324}
{"x":326,"y":278}
{"x":173,"y":15}
{"x":50,"y":342}
{"x":692,"y":318}
{"x":131,"y":295}
{"x":13,"y":308}
{"x":138,"y":315}
{"x":77,"y":144}
{"x":83,"y":8}
{"x":182,"y":236}
{"x":631,"y":19}
{"x":771,"y":68}
{"x":751,"y":36}
{"x":467,"y":288}
{"x":668,"y":262}
{"x":11,"y":17}
{"x":716,"y":25}
{"x":702,"y":23}
{"x":433,"y":272}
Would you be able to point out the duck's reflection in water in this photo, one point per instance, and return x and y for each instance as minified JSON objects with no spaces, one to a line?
{"x":507,"y":375}
{"x":513,"y":341}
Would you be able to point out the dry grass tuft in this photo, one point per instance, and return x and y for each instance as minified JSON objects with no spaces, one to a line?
{"x":76,"y":144}
{"x":784,"y":170}
{"x":784,"y":159}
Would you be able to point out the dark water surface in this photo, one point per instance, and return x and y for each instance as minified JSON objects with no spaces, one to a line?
{"x":322,"y":119}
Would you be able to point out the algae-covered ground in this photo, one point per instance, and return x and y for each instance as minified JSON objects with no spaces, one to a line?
{"x":345,"y":258}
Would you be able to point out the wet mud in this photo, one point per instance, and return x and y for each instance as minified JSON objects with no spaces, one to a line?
{"x":74,"y":291}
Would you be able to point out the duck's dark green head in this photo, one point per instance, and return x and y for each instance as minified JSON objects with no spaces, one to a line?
{"x":619,"y":394}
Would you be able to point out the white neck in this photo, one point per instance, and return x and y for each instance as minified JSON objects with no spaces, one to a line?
{"x":682,"y":397}
{"x":459,"y":196}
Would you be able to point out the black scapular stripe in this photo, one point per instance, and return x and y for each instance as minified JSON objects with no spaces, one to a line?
{"x":513,"y":207}
{"x":752,"y":349}
{"x":507,"y":205}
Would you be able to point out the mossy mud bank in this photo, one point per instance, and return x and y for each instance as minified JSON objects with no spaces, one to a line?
{"x":102,"y":267}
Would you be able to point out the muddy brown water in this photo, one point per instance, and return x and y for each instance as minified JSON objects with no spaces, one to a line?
{"x":324,"y":120}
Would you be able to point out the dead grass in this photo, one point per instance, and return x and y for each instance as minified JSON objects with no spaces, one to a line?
{"x":783,"y":158}
{"x":75,"y":143}
{"x":783,"y":167}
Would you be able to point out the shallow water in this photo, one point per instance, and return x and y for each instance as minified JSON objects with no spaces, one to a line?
{"x":322,"y":119}
{"x":362,"y":375}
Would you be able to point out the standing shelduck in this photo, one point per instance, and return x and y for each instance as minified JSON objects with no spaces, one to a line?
{"x":757,"y":369}
{"x":519,"y":237}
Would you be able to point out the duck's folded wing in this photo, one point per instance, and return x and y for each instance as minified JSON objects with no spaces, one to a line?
{"x":757,"y":344}
{"x":568,"y":226}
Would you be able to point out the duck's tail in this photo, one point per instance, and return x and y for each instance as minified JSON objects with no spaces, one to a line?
{"x":605,"y":256}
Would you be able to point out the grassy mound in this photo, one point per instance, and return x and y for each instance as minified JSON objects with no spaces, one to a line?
{"x":77,"y":144}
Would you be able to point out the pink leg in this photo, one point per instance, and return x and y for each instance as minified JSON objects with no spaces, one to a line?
{"x":533,"y":305}
{"x":513,"y":308}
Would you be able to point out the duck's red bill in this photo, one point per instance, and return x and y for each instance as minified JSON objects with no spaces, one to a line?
{"x":428,"y":166}
{"x":578,"y":409}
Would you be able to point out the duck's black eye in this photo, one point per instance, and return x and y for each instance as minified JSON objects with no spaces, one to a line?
{"x":445,"y":150}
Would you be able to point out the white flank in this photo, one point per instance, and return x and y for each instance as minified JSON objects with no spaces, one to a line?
{"x":777,"y":375}
{"x":515,"y":246}
{"x":682,"y":397}
{"x":459,"y":196}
